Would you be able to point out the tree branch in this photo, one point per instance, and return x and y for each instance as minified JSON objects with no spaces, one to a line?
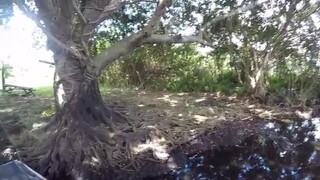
{"x":145,"y":36}
{"x":301,"y":15}
{"x":107,"y":11}
{"x":158,"y":13}
{"x":79,"y":13}
{"x":128,"y":44}
{"x":281,"y":34}
{"x":23,"y":7}
{"x":117,"y":50}
{"x":159,"y":38}
{"x":210,"y":23}
{"x":83,"y":24}
{"x":232,"y":13}
{"x":139,"y":1}
{"x":46,"y":62}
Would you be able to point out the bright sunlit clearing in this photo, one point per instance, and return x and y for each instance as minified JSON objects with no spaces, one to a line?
{"x":22,"y":46}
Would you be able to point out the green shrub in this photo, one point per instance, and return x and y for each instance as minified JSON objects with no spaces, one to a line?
{"x":173,"y":68}
{"x":278,"y":83}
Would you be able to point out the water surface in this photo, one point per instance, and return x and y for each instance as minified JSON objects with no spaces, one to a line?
{"x":284,"y":151}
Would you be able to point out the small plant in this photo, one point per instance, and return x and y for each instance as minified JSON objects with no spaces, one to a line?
{"x":49,"y":112}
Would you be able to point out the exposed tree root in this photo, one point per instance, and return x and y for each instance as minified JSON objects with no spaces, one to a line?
{"x":89,"y":138}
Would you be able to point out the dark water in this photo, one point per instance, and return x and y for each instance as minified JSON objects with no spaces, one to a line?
{"x":284,"y":151}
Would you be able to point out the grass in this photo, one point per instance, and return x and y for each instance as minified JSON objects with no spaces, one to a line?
{"x":46,"y":92}
{"x":106,"y":90}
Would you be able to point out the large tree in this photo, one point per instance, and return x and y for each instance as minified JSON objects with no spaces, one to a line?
{"x":263,"y":37}
{"x":88,"y":135}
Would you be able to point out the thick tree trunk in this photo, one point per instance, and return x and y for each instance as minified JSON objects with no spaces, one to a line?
{"x":254,"y":70}
{"x":255,"y":83}
{"x":88,"y":137}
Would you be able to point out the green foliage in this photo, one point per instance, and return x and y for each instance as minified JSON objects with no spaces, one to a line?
{"x":46,"y":92}
{"x":173,"y":68}
{"x":239,"y":55}
{"x":204,"y":80}
{"x":49,"y":112}
{"x":302,"y":86}
{"x":7,"y":71}
{"x":278,"y":83}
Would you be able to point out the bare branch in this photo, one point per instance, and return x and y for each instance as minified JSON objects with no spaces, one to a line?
{"x":76,"y":8}
{"x":158,"y":13}
{"x":112,"y":7}
{"x":128,"y":44}
{"x":115,"y":51}
{"x":209,"y":24}
{"x":46,"y":62}
{"x":85,"y":47}
{"x":34,"y":17}
{"x":139,"y":1}
{"x":156,"y":38}
{"x":84,"y":23}
{"x":159,"y":38}
{"x":278,"y":38}
{"x":280,"y":35}
{"x":145,"y":36}
{"x":108,"y":10}
{"x":232,"y":13}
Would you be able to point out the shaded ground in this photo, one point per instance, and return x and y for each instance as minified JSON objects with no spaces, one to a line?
{"x":284,"y":151}
{"x":7,"y":149}
{"x":181,"y":123}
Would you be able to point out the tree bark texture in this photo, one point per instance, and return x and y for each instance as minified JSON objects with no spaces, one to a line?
{"x":89,"y":136}
{"x":255,"y":70}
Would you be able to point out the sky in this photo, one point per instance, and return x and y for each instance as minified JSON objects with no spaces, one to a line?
{"x":17,"y":39}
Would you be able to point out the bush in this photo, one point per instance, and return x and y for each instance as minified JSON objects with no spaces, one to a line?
{"x":173,"y":68}
{"x":278,"y":83}
{"x":301,"y":87}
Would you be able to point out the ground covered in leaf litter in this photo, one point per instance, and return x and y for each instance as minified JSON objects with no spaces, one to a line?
{"x":180,"y":123}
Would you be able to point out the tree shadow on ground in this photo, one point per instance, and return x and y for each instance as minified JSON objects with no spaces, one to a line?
{"x":175,"y":122}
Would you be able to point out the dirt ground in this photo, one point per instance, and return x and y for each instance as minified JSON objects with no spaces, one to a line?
{"x":176,"y":120}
